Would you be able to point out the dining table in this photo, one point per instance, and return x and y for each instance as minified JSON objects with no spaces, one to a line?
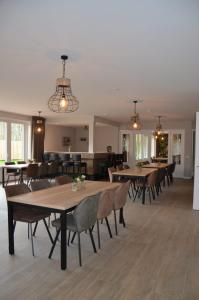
{"x":135,"y":173}
{"x":20,"y":167}
{"x":156,"y":165}
{"x":58,"y":199}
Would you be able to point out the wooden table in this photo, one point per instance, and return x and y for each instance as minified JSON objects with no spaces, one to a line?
{"x":19,"y":167}
{"x":156,"y":165}
{"x":60,"y":199}
{"x":136,"y":173}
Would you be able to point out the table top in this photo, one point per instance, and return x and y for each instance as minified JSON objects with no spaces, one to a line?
{"x":62,"y":197}
{"x":156,"y":165}
{"x":135,"y":172}
{"x":15,"y":166}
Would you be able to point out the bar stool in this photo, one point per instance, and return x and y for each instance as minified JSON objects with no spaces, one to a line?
{"x":67,"y":164}
{"x":79,"y":164}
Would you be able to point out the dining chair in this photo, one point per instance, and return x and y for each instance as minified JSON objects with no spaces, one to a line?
{"x":105,"y":208}
{"x":26,"y":214}
{"x":150,"y":186}
{"x":83,"y":218}
{"x":79,"y":164}
{"x":53,"y":169}
{"x":31,"y":173}
{"x":11,"y":173}
{"x":119,"y":201}
{"x":43,"y":170}
{"x":65,"y":179}
{"x":120,"y":179}
{"x":67,"y":164}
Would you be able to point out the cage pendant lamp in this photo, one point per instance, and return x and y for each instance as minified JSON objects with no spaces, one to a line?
{"x":135,"y":120}
{"x":158,"y":129}
{"x":63,"y":101}
{"x":39,"y":124}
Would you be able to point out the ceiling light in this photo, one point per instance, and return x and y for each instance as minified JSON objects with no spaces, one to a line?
{"x":39,"y":123}
{"x":158,"y":129}
{"x":63,"y":101}
{"x":135,"y":120}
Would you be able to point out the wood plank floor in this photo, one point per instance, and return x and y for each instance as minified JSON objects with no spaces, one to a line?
{"x":156,"y":257}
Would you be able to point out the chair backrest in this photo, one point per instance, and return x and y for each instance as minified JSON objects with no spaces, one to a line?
{"x":120,"y":195}
{"x":105,"y":206}
{"x":17,"y":189}
{"x":76,"y":157}
{"x":40,"y":185}
{"x":110,"y":171}
{"x":32,"y":170}
{"x":43,"y":170}
{"x":85,"y":214}
{"x":10,"y":170}
{"x":151,"y":179}
{"x":60,"y":180}
{"x":119,"y":168}
{"x":53,"y":168}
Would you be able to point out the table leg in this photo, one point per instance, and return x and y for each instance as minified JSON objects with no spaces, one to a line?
{"x":10,"y":229}
{"x":3,"y":177}
{"x":143,"y":191}
{"x":63,"y":242}
{"x":121,"y":216}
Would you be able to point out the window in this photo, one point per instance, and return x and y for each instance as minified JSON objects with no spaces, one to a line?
{"x":17,"y":141}
{"x":141,"y":146}
{"x":3,"y":141}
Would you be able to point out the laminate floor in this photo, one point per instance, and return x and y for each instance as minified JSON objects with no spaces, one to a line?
{"x":156,"y":257}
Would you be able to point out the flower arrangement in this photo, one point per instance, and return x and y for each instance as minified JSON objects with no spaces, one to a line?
{"x":78,"y":182}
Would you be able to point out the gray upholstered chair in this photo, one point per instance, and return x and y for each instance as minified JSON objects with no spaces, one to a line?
{"x":83,"y":218}
{"x":104,"y":210}
{"x":119,"y":201}
{"x":26,"y":214}
{"x":43,"y":170}
{"x":60,"y":180}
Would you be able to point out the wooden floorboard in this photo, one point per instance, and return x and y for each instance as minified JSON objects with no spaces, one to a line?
{"x":156,"y":257}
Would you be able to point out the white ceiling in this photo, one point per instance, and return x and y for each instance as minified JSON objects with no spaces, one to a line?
{"x":117,"y":50}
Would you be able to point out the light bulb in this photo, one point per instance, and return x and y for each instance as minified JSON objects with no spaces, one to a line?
{"x":135,"y":125}
{"x":159,"y":132}
{"x":38,"y":129}
{"x":63,"y":102}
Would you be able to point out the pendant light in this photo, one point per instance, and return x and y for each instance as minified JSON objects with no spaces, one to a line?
{"x":158,"y":129}
{"x":39,"y":123}
{"x":63,"y":101}
{"x":135,"y":120}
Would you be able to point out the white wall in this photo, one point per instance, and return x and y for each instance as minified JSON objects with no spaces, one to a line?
{"x":54,"y":136}
{"x":106,"y":136}
{"x":196,"y":175}
{"x":81,"y":146}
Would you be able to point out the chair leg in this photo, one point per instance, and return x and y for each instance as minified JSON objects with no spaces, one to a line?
{"x":14,"y":226}
{"x":34,"y":231}
{"x":92,"y":240}
{"x":98,"y":234}
{"x":49,"y":234}
{"x":129,"y":194}
{"x":31,"y":239}
{"x":115,"y":218}
{"x":28,"y":230}
{"x":73,"y":237}
{"x":108,"y":226}
{"x":54,"y":243}
{"x":149,"y":195}
{"x":69,"y":237}
{"x":79,"y":249}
